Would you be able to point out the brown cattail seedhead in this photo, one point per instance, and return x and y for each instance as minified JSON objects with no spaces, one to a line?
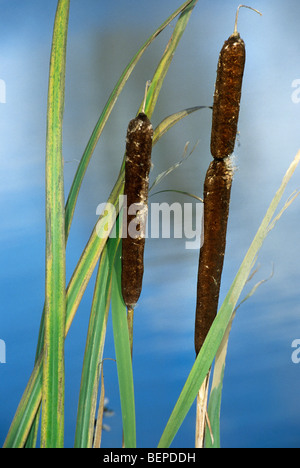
{"x":227,"y":97}
{"x":137,"y":169}
{"x":217,"y":189}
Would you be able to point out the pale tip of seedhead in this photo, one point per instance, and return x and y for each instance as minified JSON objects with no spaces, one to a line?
{"x":235,"y":32}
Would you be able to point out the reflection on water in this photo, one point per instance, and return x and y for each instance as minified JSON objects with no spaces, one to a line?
{"x":260,"y":405}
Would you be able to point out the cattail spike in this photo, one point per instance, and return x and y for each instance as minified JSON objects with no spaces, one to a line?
{"x":217,"y":189}
{"x":137,"y":169}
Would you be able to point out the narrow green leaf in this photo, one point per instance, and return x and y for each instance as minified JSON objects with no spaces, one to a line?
{"x":214,"y":406}
{"x":181,"y":192}
{"x":163,"y":67}
{"x":173,"y":119}
{"x":123,"y":356}
{"x":164,"y":174}
{"x":52,"y":427}
{"x":222,"y":321}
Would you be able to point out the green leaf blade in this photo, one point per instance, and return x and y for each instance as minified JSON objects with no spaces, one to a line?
{"x":123,"y":356}
{"x":52,"y":433}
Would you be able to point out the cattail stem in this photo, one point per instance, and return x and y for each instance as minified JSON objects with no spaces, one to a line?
{"x":130,"y":314}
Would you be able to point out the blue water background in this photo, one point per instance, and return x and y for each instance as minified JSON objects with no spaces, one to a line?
{"x":260,"y":405}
